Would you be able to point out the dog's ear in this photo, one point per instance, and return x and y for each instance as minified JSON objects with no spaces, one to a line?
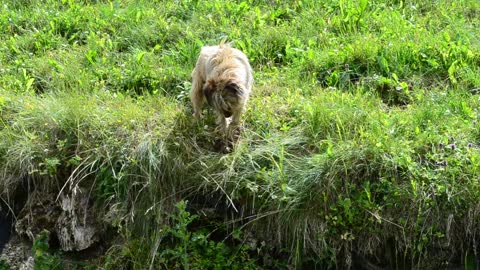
{"x":211,"y":84}
{"x":210,"y":87}
{"x":233,"y":87}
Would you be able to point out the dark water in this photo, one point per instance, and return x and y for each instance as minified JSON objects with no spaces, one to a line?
{"x":5,"y":228}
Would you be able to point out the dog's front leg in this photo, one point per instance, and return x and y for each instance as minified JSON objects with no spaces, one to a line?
{"x":197,"y":96}
{"x":221,"y":122}
{"x":235,"y":126}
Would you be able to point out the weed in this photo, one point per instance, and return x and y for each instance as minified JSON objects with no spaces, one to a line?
{"x":43,"y":259}
{"x":183,"y":248}
{"x":4,"y":265}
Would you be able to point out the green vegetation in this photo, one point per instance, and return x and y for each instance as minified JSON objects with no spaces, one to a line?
{"x":182,"y":249}
{"x":361,"y":139}
{"x":43,"y":259}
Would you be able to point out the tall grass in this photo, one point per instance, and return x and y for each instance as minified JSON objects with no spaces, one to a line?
{"x":360,"y":140}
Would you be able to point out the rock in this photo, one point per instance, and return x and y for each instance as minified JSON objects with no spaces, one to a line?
{"x":75,"y":227}
{"x":17,"y":254}
{"x":28,"y":264}
{"x":71,"y":219}
{"x":39,"y":213}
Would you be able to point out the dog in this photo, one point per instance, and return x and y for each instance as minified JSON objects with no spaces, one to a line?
{"x":224,"y":78}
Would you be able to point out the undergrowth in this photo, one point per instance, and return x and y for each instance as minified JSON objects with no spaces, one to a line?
{"x":360,"y":143}
{"x":177,"y":247}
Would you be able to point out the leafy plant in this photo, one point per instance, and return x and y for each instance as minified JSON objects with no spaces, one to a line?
{"x":41,"y":253}
{"x":194,"y":250}
{"x":4,"y":265}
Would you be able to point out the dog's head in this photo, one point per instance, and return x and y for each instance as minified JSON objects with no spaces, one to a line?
{"x":223,"y":96}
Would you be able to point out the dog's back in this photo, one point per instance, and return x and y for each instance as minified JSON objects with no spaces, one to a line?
{"x":225,"y":61}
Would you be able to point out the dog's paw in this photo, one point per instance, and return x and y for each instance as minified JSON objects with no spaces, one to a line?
{"x":222,"y":146}
{"x":198,"y":116}
{"x":234,"y":132}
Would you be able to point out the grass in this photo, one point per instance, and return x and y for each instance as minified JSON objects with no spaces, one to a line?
{"x":361,"y":138}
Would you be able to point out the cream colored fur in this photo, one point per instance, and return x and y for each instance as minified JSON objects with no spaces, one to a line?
{"x":223,"y":74}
